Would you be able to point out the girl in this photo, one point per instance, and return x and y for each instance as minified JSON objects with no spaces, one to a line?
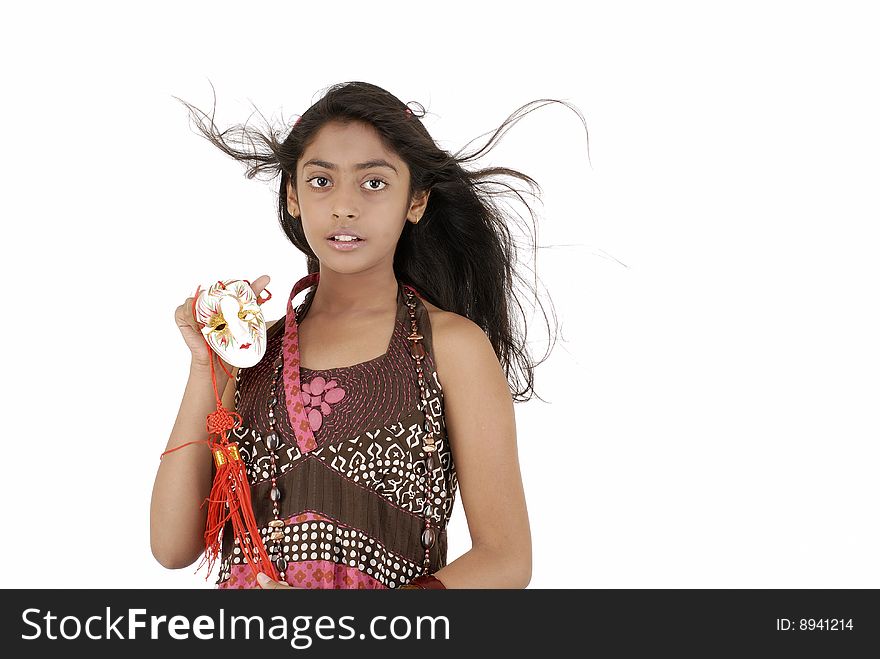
{"x":382,"y":392}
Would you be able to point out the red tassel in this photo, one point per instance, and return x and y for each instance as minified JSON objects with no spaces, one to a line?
{"x":230,"y":499}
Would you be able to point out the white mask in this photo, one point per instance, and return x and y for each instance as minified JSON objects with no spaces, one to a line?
{"x":233,"y":322}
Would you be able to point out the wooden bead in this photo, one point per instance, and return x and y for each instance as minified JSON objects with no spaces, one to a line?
{"x":276,"y":523}
{"x":275,"y":494}
{"x":277,"y":535}
{"x":272,"y":441}
{"x":280,"y":564}
{"x":428,"y":537}
{"x":429,"y":462}
{"x":417,"y":350}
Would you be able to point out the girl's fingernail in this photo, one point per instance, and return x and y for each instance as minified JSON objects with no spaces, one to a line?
{"x":262,"y":578}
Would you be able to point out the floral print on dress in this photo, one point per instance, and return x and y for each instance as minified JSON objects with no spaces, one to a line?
{"x":318,"y":394}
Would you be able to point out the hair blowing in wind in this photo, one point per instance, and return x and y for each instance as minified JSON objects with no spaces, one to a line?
{"x":462,"y":256}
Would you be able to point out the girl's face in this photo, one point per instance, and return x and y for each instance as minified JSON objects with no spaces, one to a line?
{"x":347,"y":179}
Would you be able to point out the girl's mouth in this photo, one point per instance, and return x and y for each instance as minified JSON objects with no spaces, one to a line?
{"x":344,"y":246}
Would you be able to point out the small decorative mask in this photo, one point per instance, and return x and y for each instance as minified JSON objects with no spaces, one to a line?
{"x":232,"y":322}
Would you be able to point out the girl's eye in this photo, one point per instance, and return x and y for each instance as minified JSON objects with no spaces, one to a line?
{"x":309,"y":180}
{"x":324,"y":178}
{"x":377,"y":180}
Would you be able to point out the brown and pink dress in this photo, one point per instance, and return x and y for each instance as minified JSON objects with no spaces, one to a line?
{"x":343,"y":501}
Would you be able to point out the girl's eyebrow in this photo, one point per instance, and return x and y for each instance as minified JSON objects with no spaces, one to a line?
{"x":377,"y":162}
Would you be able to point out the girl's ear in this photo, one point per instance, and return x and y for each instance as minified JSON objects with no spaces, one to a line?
{"x":417,"y":207}
{"x":292,"y":203}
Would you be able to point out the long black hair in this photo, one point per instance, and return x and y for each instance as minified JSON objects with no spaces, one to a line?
{"x":461,"y":256}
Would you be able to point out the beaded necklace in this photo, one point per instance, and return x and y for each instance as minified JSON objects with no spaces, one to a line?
{"x":287,"y":371}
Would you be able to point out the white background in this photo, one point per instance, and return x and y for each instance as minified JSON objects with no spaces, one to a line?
{"x":712,"y":416}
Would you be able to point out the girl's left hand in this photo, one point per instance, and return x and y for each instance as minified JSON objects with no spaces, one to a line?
{"x":268,"y":583}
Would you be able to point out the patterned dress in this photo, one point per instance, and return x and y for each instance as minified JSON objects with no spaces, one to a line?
{"x":353,"y":507}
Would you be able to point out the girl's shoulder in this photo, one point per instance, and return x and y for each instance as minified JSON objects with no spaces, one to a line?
{"x":450,"y":324}
{"x":455,"y":339}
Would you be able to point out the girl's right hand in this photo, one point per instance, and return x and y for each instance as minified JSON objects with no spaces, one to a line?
{"x":192,"y":333}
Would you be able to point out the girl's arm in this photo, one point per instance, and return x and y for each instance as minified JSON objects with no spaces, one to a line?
{"x":481,"y":428}
{"x":184,"y":478}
